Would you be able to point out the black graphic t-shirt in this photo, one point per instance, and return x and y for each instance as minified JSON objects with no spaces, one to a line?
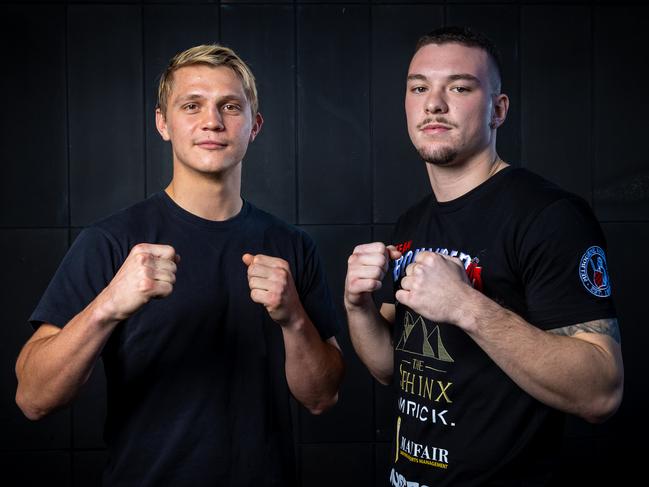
{"x":532,"y":248}
{"x":197,"y":393}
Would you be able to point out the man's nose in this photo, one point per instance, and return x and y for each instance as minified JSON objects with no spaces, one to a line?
{"x":436,"y":102}
{"x":213,"y":119}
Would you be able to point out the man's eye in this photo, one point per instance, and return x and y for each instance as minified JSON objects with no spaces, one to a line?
{"x":190,"y":107}
{"x":231,"y":107}
{"x":460,"y":89}
{"x":418,"y":89}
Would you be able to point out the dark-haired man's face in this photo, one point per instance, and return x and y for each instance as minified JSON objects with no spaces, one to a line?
{"x":449,"y":103}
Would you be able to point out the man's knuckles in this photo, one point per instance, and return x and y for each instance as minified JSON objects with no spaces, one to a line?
{"x":142,"y":258}
{"x":274,"y":301}
{"x":428,"y":259}
{"x":364,"y":285}
{"x":281,"y":277}
{"x":271,"y":300}
{"x":272,"y":262}
{"x":146,"y":285}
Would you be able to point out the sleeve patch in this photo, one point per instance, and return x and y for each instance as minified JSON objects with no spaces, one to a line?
{"x":593,"y":272}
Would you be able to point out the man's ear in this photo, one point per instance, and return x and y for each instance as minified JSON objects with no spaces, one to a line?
{"x":500,"y":109}
{"x":256,"y":126}
{"x":161,"y":124}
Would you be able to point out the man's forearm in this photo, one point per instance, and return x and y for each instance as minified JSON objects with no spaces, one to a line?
{"x":371,"y":336}
{"x":55,"y":363}
{"x":314,"y":368}
{"x":580,"y":374}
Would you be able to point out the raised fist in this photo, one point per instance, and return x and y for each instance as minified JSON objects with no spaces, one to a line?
{"x":148,"y":272}
{"x":272,"y":285}
{"x":365,"y":270}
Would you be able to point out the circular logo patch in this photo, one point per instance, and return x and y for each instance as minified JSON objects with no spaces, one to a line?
{"x":593,"y":272}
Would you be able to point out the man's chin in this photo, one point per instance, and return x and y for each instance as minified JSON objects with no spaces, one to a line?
{"x":440,"y":157}
{"x":211,"y":168}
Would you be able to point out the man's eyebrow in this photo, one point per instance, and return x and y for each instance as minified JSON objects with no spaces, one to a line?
{"x":189,"y":97}
{"x":452,"y":77}
{"x":464,"y":77}
{"x":234,"y":96}
{"x":417,"y":77}
{"x":197,"y":96}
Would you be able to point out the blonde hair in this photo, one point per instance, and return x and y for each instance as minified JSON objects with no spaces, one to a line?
{"x":211,"y":55}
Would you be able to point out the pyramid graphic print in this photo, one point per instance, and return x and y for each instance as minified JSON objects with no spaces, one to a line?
{"x":417,"y":339}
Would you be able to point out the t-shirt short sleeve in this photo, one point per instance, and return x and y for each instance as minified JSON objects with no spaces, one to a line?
{"x":314,"y":292}
{"x":564,"y":267}
{"x":83,"y":273}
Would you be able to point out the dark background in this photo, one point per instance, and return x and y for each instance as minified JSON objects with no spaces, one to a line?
{"x":78,"y":142}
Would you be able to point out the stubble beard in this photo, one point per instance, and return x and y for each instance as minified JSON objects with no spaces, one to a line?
{"x":444,"y":156}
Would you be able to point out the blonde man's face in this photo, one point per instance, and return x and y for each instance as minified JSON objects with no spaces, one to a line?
{"x":208,"y":119}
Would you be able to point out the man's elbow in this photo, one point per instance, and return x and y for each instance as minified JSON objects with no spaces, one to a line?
{"x":31,"y":410}
{"x":383,"y":379}
{"x":604,"y":407}
{"x":323,"y":405}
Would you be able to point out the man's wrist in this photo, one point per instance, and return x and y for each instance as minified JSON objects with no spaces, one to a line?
{"x":295,"y":319}
{"x":103,"y":312}
{"x":476,"y":310}
{"x":361,"y":303}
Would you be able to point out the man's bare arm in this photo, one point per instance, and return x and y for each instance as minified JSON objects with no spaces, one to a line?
{"x":608,"y":327}
{"x":577,"y":370}
{"x":369,"y":329}
{"x":56,"y":362}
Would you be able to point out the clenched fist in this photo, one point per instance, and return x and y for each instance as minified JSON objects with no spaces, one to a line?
{"x":435,"y":286}
{"x":148,"y":272}
{"x":272,"y":285}
{"x":366,"y":268}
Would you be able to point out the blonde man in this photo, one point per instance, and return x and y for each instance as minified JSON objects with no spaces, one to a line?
{"x":200,"y":353}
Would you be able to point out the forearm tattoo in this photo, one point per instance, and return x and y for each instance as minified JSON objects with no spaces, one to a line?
{"x":604,"y":327}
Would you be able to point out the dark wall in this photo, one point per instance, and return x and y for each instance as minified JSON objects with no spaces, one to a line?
{"x":78,"y":142}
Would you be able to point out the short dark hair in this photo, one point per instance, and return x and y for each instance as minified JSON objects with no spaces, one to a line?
{"x":466,"y":37}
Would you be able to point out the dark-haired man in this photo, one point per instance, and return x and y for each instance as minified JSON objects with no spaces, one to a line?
{"x":502,"y":318}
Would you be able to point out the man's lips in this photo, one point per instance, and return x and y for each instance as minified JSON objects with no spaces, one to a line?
{"x":435,"y":128}
{"x":210,"y":144}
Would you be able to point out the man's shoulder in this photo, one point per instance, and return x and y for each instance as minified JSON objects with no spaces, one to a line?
{"x":273,"y":226}
{"x":530,"y":192}
{"x":515,"y":194}
{"x":130,"y":218}
{"x":526,"y":182}
{"x":539,"y":210}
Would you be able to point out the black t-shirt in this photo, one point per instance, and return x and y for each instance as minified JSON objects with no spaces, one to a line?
{"x":197,"y":392}
{"x":532,"y":248}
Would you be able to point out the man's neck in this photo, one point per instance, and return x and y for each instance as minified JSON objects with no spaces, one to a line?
{"x":451,"y":182}
{"x":211,"y":198}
